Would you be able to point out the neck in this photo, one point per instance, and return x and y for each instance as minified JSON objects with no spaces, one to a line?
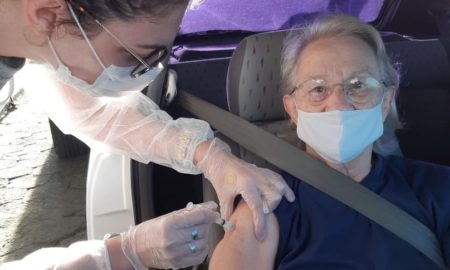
{"x":10,"y":34}
{"x":357,"y":169}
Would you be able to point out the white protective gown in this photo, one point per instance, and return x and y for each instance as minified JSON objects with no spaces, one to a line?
{"x":132,"y":125}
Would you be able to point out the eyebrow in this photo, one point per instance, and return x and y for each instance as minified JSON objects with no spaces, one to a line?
{"x":151,"y":46}
{"x":139,"y":53}
{"x":324,"y":76}
{"x":311,"y":78}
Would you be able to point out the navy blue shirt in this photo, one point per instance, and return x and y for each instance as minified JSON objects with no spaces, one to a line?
{"x":318,"y":232}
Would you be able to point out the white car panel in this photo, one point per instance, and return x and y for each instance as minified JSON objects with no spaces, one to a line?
{"x":109,"y":204}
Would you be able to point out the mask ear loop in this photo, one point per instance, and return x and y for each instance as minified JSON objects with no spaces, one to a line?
{"x":384,"y":95}
{"x":87,"y":40}
{"x":292,"y":94}
{"x":52,"y":48}
{"x":382,"y":101}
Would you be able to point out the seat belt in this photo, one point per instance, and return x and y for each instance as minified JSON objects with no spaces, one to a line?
{"x":317,"y":174}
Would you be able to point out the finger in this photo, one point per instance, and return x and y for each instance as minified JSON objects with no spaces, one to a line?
{"x":188,"y":234}
{"x":196,"y":216}
{"x":271,"y":203}
{"x":266,"y":208}
{"x":254,"y":202}
{"x":289,"y":194}
{"x":184,"y":249}
{"x":226,"y":206}
{"x":189,"y":258}
{"x":209,"y":205}
{"x":283,"y":188}
{"x":271,"y":198}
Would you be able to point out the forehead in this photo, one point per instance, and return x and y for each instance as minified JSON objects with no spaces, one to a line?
{"x":336,"y":58}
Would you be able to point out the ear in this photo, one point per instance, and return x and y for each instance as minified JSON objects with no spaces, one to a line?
{"x":42,"y":15}
{"x":389,"y":97}
{"x":290,"y":107}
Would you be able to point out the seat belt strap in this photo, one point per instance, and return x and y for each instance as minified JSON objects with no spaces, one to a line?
{"x":315,"y":173}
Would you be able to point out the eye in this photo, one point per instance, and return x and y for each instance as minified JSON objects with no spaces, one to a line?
{"x":357,"y":85}
{"x":317,"y":94}
{"x":156,"y":56}
{"x":317,"y":90}
{"x":131,"y":60}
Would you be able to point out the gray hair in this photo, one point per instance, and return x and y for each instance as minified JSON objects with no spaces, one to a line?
{"x":338,"y":26}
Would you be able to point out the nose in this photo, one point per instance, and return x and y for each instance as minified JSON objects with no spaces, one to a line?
{"x":337,"y":101}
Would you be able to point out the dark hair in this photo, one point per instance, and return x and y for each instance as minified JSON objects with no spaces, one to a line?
{"x":104,"y":10}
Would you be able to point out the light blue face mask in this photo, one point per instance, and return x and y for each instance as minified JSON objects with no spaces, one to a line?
{"x":340,"y":136}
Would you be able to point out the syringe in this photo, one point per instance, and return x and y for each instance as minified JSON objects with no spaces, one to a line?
{"x":227,"y":226}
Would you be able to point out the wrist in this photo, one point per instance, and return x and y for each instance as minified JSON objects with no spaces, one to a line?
{"x":214,"y":147}
{"x":117,"y":259}
{"x":200,"y":152}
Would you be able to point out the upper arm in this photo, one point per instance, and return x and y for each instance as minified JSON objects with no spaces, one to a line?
{"x":239,"y":249}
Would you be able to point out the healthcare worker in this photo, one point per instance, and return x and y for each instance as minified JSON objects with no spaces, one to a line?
{"x":102,"y":53}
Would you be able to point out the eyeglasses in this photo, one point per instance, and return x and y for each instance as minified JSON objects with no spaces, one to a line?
{"x":362,"y":91}
{"x":145,"y":64}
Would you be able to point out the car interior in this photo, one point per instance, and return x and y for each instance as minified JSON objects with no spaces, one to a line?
{"x":237,"y":69}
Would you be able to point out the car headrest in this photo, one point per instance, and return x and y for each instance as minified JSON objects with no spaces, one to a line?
{"x":253,"y":80}
{"x":423,"y":63}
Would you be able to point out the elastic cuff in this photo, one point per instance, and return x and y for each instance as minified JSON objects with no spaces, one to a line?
{"x":216,"y":143}
{"x":108,"y":259}
{"x":187,"y":144}
{"x":129,"y":250}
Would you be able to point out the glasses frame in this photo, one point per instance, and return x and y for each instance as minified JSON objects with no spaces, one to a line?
{"x":136,"y":72}
{"x":382,"y":84}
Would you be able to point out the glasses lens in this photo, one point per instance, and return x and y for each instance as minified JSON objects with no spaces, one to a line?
{"x":363,"y":90}
{"x":314,"y":91}
{"x":152,"y":60}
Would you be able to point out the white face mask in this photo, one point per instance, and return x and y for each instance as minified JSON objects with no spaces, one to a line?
{"x":340,"y":136}
{"x":112,"y":82}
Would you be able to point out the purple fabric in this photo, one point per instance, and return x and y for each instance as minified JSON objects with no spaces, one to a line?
{"x":268,"y":15}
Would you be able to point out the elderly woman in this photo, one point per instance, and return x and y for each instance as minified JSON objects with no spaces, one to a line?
{"x":340,"y":89}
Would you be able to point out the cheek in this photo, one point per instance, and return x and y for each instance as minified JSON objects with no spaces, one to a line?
{"x":307,"y":107}
{"x":108,"y":50}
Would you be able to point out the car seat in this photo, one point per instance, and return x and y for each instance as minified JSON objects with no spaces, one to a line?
{"x":423,"y":99}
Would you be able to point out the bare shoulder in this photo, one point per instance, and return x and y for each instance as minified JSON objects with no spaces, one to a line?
{"x":239,"y":249}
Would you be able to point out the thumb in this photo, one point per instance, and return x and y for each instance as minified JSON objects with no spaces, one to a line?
{"x":226,"y":207}
{"x":209,"y":205}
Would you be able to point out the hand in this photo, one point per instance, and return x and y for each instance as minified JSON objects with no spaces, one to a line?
{"x":175,"y":240}
{"x":262,"y":189}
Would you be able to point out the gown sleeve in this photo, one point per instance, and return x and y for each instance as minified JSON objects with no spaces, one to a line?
{"x":131,"y":125}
